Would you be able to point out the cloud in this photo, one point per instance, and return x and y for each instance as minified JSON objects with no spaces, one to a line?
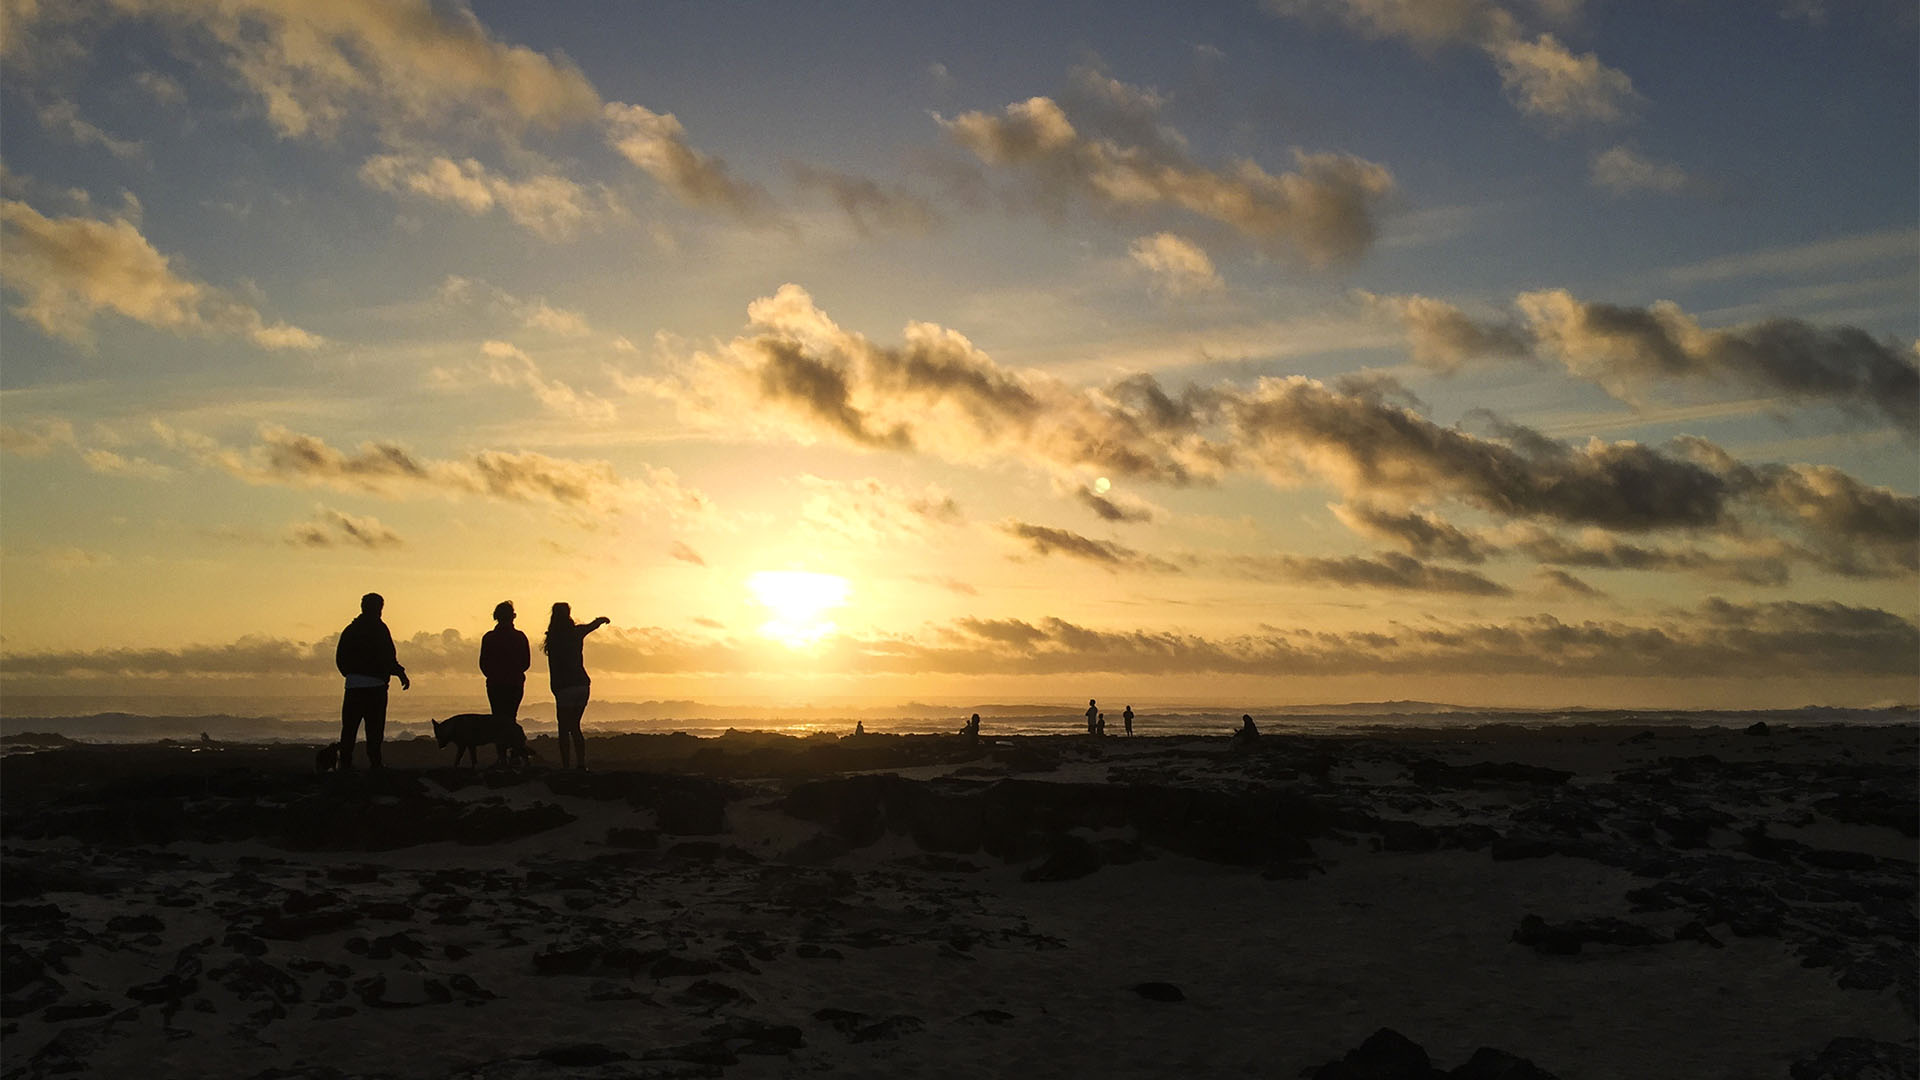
{"x":1324,"y":212}
{"x":1623,"y":171}
{"x":1108,"y":506}
{"x":1823,"y":257}
{"x":508,"y":365}
{"x":398,"y":62}
{"x":1559,"y":581}
{"x":656,"y":143}
{"x":1722,"y":639}
{"x":1625,"y":348}
{"x":549,"y":206}
{"x":390,"y":470}
{"x":1628,"y":349}
{"x":69,"y":270}
{"x":1541,"y":76}
{"x":1545,"y":79}
{"x":1856,"y":530}
{"x":871,"y":511}
{"x":799,"y":375}
{"x":869,"y":205}
{"x":685,"y":554}
{"x":1593,"y":550}
{"x":332,"y":528}
{"x":1178,"y":266}
{"x":1388,"y":570}
{"x":1444,"y":338}
{"x":38,"y":439}
{"x":63,"y":118}
{"x":1045,"y":540}
{"x":1420,"y":534}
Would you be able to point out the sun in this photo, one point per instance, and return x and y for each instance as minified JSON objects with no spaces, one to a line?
{"x":798,"y":600}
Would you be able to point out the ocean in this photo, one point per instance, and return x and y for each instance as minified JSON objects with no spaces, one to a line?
{"x":315,"y":720}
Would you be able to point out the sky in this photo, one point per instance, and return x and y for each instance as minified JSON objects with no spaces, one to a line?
{"x":1498,"y":352}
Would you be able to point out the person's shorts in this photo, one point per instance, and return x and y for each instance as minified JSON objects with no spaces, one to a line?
{"x":572,"y":695}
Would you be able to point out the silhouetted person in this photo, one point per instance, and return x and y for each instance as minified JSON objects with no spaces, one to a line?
{"x":504,"y":659}
{"x":859,"y":727}
{"x":1100,"y":725}
{"x":1093,"y":714}
{"x":366,"y":657}
{"x":1127,"y":718}
{"x":971,"y":729}
{"x":1247,"y":731}
{"x":567,"y":673}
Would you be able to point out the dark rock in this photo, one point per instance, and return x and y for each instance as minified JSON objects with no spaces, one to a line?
{"x":633,"y":839}
{"x":807,"y":950}
{"x":1437,"y":774}
{"x":135,"y":925}
{"x":1072,"y":857}
{"x":25,"y":984}
{"x":748,"y":1036}
{"x":996,"y":1017}
{"x":1758,"y":727}
{"x":79,"y":1010}
{"x":1407,"y":836}
{"x":675,"y":964}
{"x":1851,"y":1058}
{"x":1697,"y":931}
{"x":581,"y":1055}
{"x":1511,"y":847}
{"x":1386,"y":1055}
{"x":893,"y":1027}
{"x":302,"y":927}
{"x":1567,"y":938}
{"x":709,"y":996}
{"x":1159,"y":991}
{"x":1490,"y":1064}
{"x":354,"y":874}
{"x":844,"y":1021}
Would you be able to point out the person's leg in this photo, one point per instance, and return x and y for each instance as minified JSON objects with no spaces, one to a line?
{"x":580,"y":740}
{"x":567,"y":707}
{"x":376,"y":723}
{"x":349,"y":727}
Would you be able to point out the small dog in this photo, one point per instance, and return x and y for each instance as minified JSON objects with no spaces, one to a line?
{"x":327,"y":758}
{"x":470,"y":731}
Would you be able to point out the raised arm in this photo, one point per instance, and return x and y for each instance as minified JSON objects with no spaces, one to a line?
{"x":594,"y":625}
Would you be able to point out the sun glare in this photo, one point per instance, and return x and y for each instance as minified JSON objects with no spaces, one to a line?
{"x":798,"y":600}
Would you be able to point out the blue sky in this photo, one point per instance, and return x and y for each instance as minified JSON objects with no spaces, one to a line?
{"x":1509,"y":351}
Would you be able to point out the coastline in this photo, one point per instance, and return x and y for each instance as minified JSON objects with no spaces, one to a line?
{"x":1602,"y":900}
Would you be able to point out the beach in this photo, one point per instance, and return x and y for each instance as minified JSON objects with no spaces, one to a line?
{"x":1586,"y":901}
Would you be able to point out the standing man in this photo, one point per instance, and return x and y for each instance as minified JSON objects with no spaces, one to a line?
{"x":365,"y":656}
{"x":1093,"y":714}
{"x":504,"y":658}
{"x":1128,"y":717}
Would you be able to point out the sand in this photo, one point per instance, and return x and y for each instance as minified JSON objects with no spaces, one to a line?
{"x":1707,"y":903}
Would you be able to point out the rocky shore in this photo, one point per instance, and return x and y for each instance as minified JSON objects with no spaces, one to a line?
{"x":1493,"y":903}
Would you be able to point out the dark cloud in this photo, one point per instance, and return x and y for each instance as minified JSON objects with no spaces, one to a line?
{"x":1045,"y":540}
{"x":1324,"y":212}
{"x":1723,"y":640}
{"x":870,"y":206}
{"x":1369,"y":446}
{"x":681,"y":551}
{"x":1628,"y":350}
{"x":1601,"y":552}
{"x":657,"y":144}
{"x":1111,"y":508}
{"x":1420,"y":534}
{"x":791,"y":376}
{"x":1388,"y":570}
{"x":1563,"y":582}
{"x":331,"y":528}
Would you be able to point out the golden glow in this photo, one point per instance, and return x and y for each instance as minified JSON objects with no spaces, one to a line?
{"x":798,"y":601}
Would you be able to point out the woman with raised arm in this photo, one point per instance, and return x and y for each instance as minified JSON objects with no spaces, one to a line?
{"x":567,"y":673}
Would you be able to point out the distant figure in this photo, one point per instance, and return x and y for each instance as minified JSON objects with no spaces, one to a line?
{"x":567,"y":673}
{"x":1127,"y":717}
{"x":1246,"y":733}
{"x":1099,"y":725}
{"x":971,"y":729}
{"x":859,"y":727}
{"x":1093,"y":714}
{"x":504,"y":659}
{"x":365,"y":656}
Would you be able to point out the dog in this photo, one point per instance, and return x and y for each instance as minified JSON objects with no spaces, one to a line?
{"x":327,"y":758}
{"x":470,"y":731}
